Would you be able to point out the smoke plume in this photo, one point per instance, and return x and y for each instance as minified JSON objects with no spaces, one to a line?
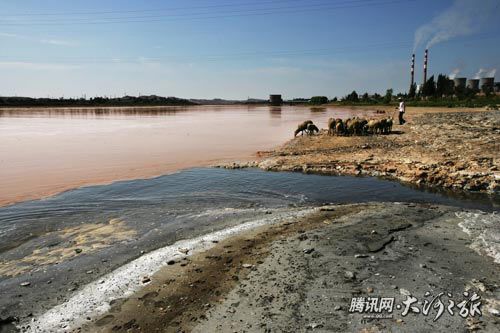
{"x":454,"y":73}
{"x":485,"y":73}
{"x":463,"y":18}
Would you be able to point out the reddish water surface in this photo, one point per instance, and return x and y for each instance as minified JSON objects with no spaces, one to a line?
{"x":46,"y":151}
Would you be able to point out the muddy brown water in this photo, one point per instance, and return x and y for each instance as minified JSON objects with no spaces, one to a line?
{"x":47,"y":151}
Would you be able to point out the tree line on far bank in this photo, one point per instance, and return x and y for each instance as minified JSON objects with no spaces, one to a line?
{"x":152,"y":100}
{"x":440,"y":92}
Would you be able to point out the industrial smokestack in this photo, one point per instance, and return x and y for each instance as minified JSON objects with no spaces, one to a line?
{"x":426,"y":56}
{"x":412,"y":70}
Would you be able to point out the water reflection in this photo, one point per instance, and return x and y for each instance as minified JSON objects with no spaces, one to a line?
{"x":318,"y":109}
{"x":91,"y":112}
{"x":48,"y":150}
{"x":158,"y":111}
{"x":275,"y":111}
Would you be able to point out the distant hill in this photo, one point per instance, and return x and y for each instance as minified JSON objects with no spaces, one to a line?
{"x":151,"y":100}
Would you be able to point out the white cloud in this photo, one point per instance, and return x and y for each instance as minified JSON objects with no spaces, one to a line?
{"x":50,"y":41}
{"x":57,"y":42}
{"x":6,"y":34}
{"x":149,"y":62}
{"x":35,"y":65}
{"x":283,"y":70}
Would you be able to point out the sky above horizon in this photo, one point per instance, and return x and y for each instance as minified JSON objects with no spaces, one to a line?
{"x":238,"y":49}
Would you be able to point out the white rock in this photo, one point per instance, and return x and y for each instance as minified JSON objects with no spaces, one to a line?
{"x":404,"y":292}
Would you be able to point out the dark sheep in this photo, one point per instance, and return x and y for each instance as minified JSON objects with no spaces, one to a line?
{"x":311,"y":128}
{"x":386,"y":126}
{"x":383,"y":126}
{"x":340,"y":128}
{"x":302,"y":127}
{"x":362,"y":124}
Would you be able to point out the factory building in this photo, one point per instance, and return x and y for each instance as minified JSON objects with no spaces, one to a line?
{"x":275,"y":100}
{"x":477,"y":84}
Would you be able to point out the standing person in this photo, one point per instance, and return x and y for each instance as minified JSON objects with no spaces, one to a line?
{"x":402,"y":110}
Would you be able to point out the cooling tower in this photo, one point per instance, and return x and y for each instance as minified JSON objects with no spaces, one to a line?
{"x":459,"y":82}
{"x":487,"y":82}
{"x":473,"y":84}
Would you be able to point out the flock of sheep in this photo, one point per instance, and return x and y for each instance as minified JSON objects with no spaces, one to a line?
{"x":350,"y":126}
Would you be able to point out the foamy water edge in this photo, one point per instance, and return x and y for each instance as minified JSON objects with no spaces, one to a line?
{"x":484,"y":229}
{"x":94,"y":299}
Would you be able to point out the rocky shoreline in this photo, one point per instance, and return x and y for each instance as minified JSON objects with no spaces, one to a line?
{"x":448,"y":150}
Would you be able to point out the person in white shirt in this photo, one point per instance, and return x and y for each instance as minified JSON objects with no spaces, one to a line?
{"x":402,"y":109}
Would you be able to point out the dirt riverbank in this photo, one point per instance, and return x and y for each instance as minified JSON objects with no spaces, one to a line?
{"x":445,"y":148}
{"x":302,"y":276}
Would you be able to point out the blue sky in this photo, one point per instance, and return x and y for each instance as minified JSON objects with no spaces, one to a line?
{"x":234,"y":48}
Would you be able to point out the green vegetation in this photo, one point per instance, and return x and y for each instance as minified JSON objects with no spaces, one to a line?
{"x":441,"y":92}
{"x":96,"y":101}
{"x":352,"y":97}
{"x":317,"y":100}
{"x":388,"y":96}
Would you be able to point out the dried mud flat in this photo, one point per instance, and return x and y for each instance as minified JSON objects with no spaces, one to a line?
{"x":301,"y":276}
{"x":451,"y":149}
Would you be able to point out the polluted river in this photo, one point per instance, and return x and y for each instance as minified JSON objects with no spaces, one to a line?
{"x":109,"y":238}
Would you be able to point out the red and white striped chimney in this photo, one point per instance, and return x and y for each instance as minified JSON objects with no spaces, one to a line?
{"x":426,"y":56}
{"x":412,"y":70}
